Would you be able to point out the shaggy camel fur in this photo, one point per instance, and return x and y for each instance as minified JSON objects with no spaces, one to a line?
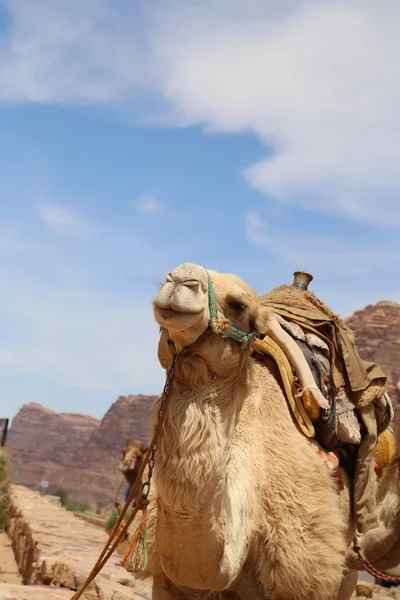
{"x":242,"y":507}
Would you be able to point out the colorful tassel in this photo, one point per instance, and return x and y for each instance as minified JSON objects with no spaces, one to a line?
{"x":137,"y":552}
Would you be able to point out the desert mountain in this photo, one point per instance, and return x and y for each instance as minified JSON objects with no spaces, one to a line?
{"x":76,"y":451}
{"x":377,"y":331}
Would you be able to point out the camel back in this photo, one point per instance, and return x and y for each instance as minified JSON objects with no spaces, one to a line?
{"x":365,"y":381}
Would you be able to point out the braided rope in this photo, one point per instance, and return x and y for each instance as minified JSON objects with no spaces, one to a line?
{"x":369,"y":567}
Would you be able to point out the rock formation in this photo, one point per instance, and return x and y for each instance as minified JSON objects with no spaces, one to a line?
{"x":127,"y":417}
{"x":377,"y":331}
{"x":76,"y":451}
{"x":37,"y":430}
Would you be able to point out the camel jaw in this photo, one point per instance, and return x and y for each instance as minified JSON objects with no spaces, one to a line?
{"x":171,"y":319}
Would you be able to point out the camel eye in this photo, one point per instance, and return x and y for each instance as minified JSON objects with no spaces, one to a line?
{"x":237,"y":307}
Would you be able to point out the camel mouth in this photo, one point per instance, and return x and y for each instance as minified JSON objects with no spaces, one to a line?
{"x":173,"y":319}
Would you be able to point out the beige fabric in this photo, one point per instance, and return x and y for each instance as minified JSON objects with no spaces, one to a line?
{"x":293,"y":328}
{"x":347,"y":426}
{"x":307,"y":310}
{"x":272,"y":327}
{"x":364,"y":479}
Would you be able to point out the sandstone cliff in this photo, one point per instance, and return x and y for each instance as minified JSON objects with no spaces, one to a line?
{"x":128,"y":417}
{"x":37,"y":430}
{"x":377,"y":331}
{"x":77,"y":452}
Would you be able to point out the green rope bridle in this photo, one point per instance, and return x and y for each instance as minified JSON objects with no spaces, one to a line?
{"x":222,"y":326}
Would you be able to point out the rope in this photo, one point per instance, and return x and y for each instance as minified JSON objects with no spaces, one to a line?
{"x":138,"y":542}
{"x":223,"y":326}
{"x":212,"y":299}
{"x":117,"y":531}
{"x":369,"y":567}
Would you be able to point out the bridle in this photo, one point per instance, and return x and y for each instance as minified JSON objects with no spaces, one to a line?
{"x":218,"y":325}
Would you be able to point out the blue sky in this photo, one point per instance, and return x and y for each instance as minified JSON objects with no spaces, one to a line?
{"x":136,"y":136}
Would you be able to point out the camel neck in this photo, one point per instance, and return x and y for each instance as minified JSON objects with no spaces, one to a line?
{"x":194,"y":446}
{"x":191,"y":480}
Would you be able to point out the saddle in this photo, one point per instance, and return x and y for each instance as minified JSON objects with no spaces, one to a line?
{"x":358,"y":410}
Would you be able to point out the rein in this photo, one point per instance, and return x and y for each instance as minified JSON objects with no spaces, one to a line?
{"x":369,"y":567}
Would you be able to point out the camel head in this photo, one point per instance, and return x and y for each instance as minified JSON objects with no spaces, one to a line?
{"x":212,"y":315}
{"x":132,"y":456}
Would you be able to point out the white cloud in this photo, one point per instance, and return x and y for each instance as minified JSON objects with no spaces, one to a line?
{"x":71,"y":51}
{"x":64,"y":220}
{"x":146,"y":204}
{"x":318,"y":85}
{"x":315,"y":81}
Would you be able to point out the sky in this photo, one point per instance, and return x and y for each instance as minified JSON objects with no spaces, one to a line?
{"x":255,"y":138}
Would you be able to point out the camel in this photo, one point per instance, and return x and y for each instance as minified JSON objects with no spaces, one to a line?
{"x":242,"y":506}
{"x":132,"y":458}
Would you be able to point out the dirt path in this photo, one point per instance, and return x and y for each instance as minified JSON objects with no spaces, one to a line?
{"x":54,"y":547}
{"x":8,"y":567}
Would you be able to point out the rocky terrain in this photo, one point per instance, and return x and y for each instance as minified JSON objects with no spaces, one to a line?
{"x":377,"y":331}
{"x":54,"y":548}
{"x":368,"y":590}
{"x":76,"y":451}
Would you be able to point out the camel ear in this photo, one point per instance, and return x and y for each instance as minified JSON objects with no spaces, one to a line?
{"x":262,"y":321}
{"x":144,"y":449}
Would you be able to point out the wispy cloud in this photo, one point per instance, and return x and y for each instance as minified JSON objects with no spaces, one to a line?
{"x":146,"y":204}
{"x":315,"y":81}
{"x":64,"y":220}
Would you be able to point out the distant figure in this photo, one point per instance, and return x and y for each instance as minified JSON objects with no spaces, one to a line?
{"x":132,"y":457}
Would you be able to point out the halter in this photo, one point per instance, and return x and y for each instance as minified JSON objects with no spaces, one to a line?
{"x":222,"y":326}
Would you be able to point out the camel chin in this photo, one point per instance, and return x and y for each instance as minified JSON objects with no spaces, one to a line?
{"x":174,"y":320}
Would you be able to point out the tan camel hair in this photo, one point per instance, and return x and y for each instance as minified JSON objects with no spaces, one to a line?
{"x":242,"y":506}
